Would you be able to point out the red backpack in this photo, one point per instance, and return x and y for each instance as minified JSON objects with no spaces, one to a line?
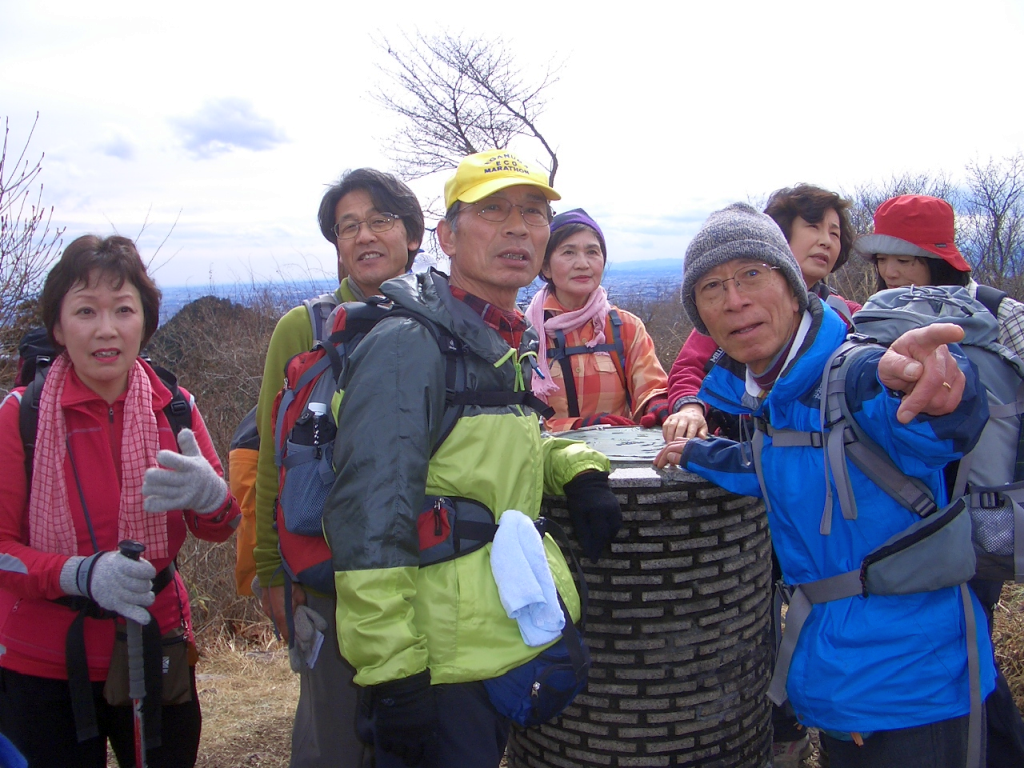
{"x":304,"y":433}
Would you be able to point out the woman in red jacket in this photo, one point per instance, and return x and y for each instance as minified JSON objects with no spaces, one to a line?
{"x":817,"y":226}
{"x":106,"y":466}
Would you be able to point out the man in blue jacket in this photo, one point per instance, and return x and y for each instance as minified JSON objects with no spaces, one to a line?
{"x":885,"y":677}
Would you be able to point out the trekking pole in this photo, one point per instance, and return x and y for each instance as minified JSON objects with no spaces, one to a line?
{"x":136,"y":667}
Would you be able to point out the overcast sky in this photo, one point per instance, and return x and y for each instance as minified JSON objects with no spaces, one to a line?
{"x":232,"y":117}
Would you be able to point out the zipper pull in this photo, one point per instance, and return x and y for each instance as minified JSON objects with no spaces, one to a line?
{"x":437,"y":517}
{"x":536,"y":368}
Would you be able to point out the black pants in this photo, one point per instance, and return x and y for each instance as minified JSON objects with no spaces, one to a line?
{"x":35,"y":714}
{"x":937,"y":745}
{"x":470,"y":734}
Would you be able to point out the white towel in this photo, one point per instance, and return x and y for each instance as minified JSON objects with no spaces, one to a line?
{"x":523,"y":576}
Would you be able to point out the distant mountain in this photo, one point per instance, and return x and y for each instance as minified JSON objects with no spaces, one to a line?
{"x":653,"y":277}
{"x":660,"y":266}
{"x":169,"y":344}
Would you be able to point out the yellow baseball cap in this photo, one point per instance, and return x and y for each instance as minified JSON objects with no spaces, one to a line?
{"x":485,"y":173}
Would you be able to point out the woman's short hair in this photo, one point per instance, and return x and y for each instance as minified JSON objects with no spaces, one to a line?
{"x":811,"y":203}
{"x":939,"y":272}
{"x":558,"y":237}
{"x":388,"y":195}
{"x":115,"y":257}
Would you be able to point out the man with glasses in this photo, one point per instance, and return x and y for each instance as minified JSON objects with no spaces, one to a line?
{"x":423,"y":638}
{"x":375,"y":223}
{"x":885,"y":676}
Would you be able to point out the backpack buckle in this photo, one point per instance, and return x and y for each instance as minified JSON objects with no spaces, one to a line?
{"x":990,"y":500}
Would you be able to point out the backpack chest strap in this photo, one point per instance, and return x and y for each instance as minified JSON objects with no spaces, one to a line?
{"x":561,"y":352}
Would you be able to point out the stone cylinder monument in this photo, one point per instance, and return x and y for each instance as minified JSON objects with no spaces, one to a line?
{"x":677,"y":626}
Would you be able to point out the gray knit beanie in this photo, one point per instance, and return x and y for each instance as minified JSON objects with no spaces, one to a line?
{"x":738,"y":232}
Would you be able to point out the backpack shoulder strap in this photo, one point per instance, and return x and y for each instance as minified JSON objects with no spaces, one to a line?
{"x":840,"y":307}
{"x":28,"y":419}
{"x":620,"y":350}
{"x":862,"y":451}
{"x":179,"y":410}
{"x":562,"y":353}
{"x":991,"y":298}
{"x":319,"y":309}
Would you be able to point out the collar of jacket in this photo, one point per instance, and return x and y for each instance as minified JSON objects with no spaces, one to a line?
{"x":428,"y":294}
{"x":725,"y":386}
{"x":76,"y":393}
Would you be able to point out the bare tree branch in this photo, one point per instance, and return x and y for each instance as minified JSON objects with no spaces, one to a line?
{"x":458,"y":95}
{"x":992,"y":221}
{"x":27,"y":243}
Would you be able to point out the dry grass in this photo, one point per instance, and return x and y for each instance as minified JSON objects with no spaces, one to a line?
{"x":1008,"y":636}
{"x":248,"y":696}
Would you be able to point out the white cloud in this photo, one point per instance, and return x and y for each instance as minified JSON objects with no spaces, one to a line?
{"x":226,"y":124}
{"x":234,"y":126}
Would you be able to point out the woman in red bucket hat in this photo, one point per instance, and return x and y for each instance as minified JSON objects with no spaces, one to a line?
{"x":913,"y":245}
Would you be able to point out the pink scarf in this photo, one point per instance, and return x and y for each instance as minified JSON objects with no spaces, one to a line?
{"x":50,"y":524}
{"x":594,"y":311}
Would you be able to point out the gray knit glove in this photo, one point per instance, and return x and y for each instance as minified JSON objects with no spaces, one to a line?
{"x":184,"y":480}
{"x":115,"y":582}
{"x":309,"y":636}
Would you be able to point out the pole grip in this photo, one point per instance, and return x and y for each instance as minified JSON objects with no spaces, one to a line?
{"x":131,"y":549}
{"x":136,"y":667}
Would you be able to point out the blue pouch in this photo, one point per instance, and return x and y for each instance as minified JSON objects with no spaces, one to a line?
{"x":540,"y":689}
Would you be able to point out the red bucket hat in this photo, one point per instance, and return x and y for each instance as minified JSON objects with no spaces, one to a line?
{"x":914,"y":225}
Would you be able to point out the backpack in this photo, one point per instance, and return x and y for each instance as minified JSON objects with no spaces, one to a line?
{"x":561,"y":353}
{"x":989,"y":477}
{"x":304,"y":433}
{"x":34,"y":350}
{"x":981,"y":532}
{"x":243,"y":456}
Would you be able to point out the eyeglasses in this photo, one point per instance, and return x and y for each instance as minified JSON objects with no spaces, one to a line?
{"x":497,"y":209}
{"x":379,"y":222}
{"x":749,"y":279}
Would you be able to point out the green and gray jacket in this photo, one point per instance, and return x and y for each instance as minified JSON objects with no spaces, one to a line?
{"x":396,"y":619}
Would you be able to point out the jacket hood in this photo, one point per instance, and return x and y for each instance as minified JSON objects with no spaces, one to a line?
{"x":428,"y":294}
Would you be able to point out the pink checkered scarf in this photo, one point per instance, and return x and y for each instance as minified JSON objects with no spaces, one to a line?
{"x":594,"y":311}
{"x":50,"y":525}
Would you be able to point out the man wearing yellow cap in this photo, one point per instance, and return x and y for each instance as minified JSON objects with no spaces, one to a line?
{"x":428,"y":635}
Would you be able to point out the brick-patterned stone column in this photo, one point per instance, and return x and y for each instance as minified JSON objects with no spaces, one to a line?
{"x":678,"y":632}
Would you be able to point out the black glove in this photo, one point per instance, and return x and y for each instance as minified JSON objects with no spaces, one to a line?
{"x":405,"y":716}
{"x":594,"y":511}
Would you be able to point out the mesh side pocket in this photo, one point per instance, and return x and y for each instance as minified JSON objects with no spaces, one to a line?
{"x":993,"y":529}
{"x":305,"y":489}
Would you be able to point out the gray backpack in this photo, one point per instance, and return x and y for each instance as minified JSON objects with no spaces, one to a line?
{"x":981,"y":532}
